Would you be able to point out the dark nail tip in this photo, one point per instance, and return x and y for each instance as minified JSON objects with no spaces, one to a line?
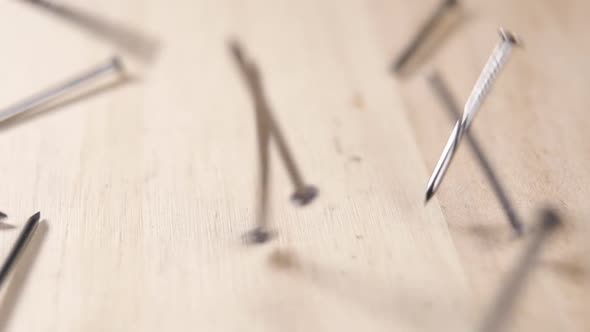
{"x":3,"y":215}
{"x":304,"y":195}
{"x":429,"y":194}
{"x":258,"y":235}
{"x":36,"y":217}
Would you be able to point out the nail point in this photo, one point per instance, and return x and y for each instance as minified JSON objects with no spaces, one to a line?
{"x":429,"y":194}
{"x":36,"y":217}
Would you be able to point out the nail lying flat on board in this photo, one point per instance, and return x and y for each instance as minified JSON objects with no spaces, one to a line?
{"x":112,"y":65}
{"x":422,"y":34}
{"x":19,"y":246}
{"x":481,"y":89}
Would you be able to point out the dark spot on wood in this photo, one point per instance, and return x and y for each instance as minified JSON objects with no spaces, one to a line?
{"x":284,"y":259}
{"x":355,"y":158}
{"x":358,"y":102}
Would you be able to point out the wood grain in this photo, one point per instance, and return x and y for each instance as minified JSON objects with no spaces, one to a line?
{"x":148,"y":182}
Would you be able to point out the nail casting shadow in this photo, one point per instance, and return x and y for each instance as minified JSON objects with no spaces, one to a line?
{"x":443,"y":93}
{"x":267,"y":128}
{"x":5,"y":226}
{"x":367,"y":294}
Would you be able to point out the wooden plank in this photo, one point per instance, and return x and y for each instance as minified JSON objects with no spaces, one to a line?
{"x":148,"y":183}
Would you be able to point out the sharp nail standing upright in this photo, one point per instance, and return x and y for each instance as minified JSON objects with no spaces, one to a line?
{"x":481,"y":89}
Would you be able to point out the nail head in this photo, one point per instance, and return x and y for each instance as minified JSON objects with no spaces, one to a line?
{"x":509,"y":37}
{"x":304,"y":195}
{"x":258,"y":235}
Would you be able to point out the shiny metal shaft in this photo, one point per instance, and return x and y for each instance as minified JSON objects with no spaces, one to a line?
{"x":481,"y":89}
{"x":113,"y":64}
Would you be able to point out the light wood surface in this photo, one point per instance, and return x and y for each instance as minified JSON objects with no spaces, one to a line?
{"x":148,"y":182}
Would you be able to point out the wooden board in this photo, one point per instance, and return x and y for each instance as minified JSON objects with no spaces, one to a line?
{"x":148,"y":182}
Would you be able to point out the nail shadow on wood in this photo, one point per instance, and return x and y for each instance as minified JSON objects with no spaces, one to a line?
{"x":134,"y":42}
{"x":513,"y":286}
{"x":573,"y":269}
{"x":437,"y":34}
{"x":21,"y":273}
{"x":361,"y":291}
{"x":5,"y":226}
{"x":450,"y":104}
{"x":489,"y":234}
{"x":53,"y":106}
{"x":267,"y":128}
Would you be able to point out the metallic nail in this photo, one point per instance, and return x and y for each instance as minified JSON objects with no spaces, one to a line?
{"x":112,"y":65}
{"x":482,"y":88}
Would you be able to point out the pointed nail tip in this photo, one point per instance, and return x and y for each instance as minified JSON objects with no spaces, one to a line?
{"x":36,"y":217}
{"x":429,"y":194}
{"x":3,"y":215}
